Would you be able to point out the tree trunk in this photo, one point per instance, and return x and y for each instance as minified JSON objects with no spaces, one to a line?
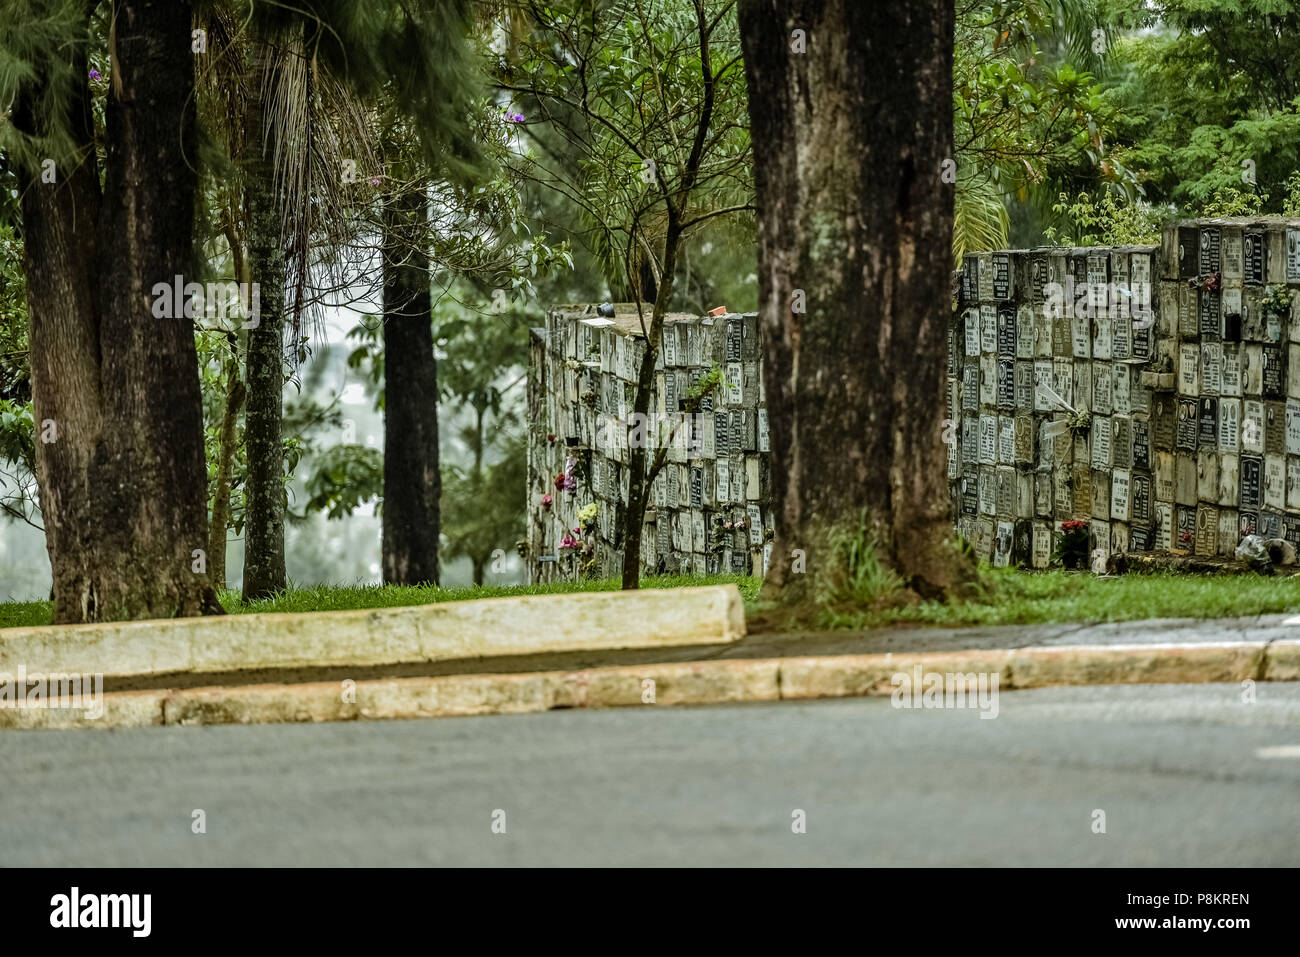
{"x":116,"y":389}
{"x":264,"y":493}
{"x":478,"y":562}
{"x":412,"y":482}
{"x":225,"y":461}
{"x":849,"y":140}
{"x":638,"y":484}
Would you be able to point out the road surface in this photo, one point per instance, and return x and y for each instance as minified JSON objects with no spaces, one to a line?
{"x":1185,"y":775}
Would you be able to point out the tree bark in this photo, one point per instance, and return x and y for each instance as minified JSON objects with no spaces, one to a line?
{"x":264,"y":493}
{"x":217,"y":530}
{"x":849,"y":140}
{"x":638,"y":483}
{"x":412,"y":481}
{"x":116,"y":390}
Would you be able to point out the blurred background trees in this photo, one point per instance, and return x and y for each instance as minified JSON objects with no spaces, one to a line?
{"x":1074,"y":122}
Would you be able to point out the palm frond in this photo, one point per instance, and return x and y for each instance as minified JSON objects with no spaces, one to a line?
{"x":980,"y":220}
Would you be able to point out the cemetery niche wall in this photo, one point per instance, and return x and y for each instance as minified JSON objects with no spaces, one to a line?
{"x":1152,"y":391}
{"x":708,"y":510}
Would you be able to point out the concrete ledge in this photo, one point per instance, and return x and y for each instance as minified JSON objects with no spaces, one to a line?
{"x":1282,"y":661}
{"x":122,"y":709}
{"x":489,"y":627}
{"x":463,"y":695}
{"x":851,"y":676}
{"x":685,"y":683}
{"x":1137,"y":664}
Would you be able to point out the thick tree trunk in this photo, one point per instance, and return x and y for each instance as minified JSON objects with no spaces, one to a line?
{"x":116,"y":389}
{"x":264,"y":494}
{"x":412,"y":482}
{"x":849,"y":141}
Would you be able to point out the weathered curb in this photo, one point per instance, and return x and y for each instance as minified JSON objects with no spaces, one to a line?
{"x":687,"y":683}
{"x":488,"y":627}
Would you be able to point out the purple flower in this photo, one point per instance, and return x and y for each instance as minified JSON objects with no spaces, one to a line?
{"x":374,"y":181}
{"x":94,"y":75}
{"x":514,"y":117}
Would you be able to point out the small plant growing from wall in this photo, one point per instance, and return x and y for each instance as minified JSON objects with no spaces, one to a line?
{"x":709,"y":383}
{"x":1275,"y":303}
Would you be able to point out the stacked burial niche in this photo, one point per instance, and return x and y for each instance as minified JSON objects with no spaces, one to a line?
{"x":708,"y":508}
{"x":1152,"y":391}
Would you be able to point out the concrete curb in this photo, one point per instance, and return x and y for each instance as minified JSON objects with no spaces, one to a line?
{"x":687,"y":683}
{"x":488,"y":627}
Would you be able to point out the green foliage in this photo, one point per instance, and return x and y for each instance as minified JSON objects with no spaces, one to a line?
{"x":345,"y":478}
{"x":707,"y":385}
{"x":482,"y":341}
{"x":1029,"y":110}
{"x":1107,"y":221}
{"x":484,"y":510}
{"x":980,"y":218}
{"x":1291,"y":204}
{"x":343,"y":598}
{"x":860,"y":582}
{"x":480,"y":375}
{"x":17,"y":462}
{"x":1275,"y":303}
{"x":1209,"y":99}
{"x":39,"y":45}
{"x":215,"y":356}
{"x":17,"y":425}
{"x":1230,"y":201}
{"x":15,"y":371}
{"x":1010,"y":596}
{"x":412,"y":56}
{"x":614,"y":95}
{"x":1072,"y":545}
{"x":1014,"y":597}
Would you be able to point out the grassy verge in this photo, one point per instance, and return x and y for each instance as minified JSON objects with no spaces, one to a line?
{"x":344,"y":597}
{"x":1007,"y":597}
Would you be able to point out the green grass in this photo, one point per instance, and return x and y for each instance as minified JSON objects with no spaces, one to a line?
{"x":16,"y":614}
{"x":344,"y":597}
{"x":1012,"y":597}
{"x":1007,"y":597}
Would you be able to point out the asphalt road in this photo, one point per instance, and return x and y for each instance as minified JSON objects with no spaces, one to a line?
{"x":1186,"y":775}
